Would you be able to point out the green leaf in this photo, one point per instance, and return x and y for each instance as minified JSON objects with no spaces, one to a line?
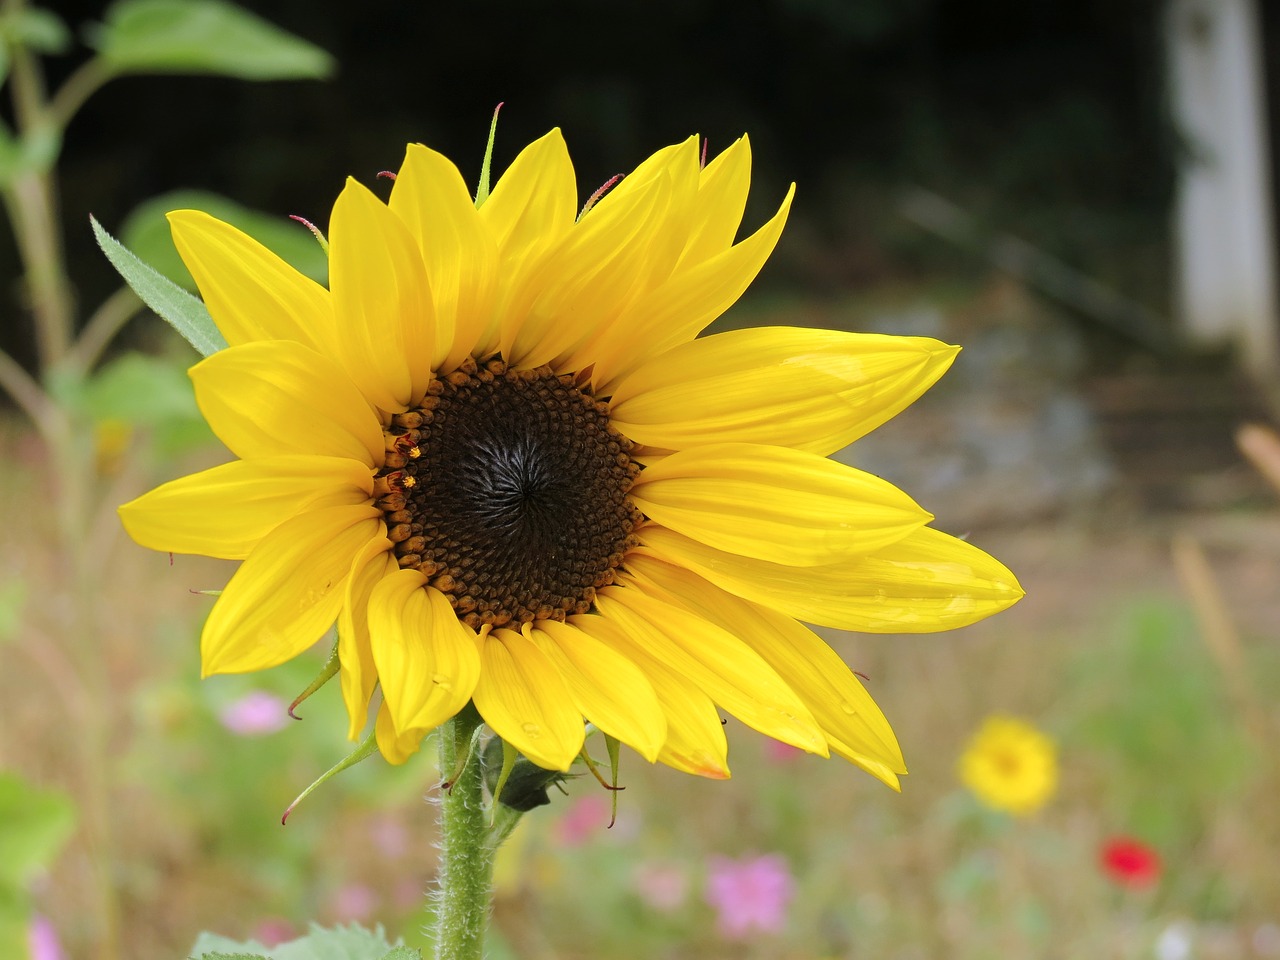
{"x":233,"y":956}
{"x":140,"y":390}
{"x":404,"y":953}
{"x":340,"y":943}
{"x":13,"y":598}
{"x":38,"y":29}
{"x":34,"y":824}
{"x":146,"y":232}
{"x":180,"y":309}
{"x":203,"y":36}
{"x":15,"y":919}
{"x":36,"y":150}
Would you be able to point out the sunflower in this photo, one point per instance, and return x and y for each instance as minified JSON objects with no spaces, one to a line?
{"x":497,"y":455}
{"x":1010,"y":766}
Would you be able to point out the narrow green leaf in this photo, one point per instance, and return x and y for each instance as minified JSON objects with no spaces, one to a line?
{"x":180,"y":309}
{"x":145,"y":231}
{"x":203,"y":36}
{"x":34,"y":824}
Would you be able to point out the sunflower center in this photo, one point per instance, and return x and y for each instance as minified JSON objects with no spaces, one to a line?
{"x":508,"y":490}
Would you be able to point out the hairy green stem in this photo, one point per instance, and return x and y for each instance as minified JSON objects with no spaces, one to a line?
{"x":466,"y":859}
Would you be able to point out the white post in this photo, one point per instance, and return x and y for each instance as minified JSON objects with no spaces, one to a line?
{"x":1225,"y":289}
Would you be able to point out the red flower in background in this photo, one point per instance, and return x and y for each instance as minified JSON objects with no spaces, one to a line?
{"x":1130,"y":863}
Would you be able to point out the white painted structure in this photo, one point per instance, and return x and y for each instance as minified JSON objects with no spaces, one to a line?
{"x":1225,"y":235}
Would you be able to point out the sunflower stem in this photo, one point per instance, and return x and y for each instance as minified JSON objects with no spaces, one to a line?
{"x":466,"y":858}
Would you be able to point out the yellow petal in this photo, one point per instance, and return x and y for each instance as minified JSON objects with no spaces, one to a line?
{"x":717,"y":662}
{"x":288,"y":591}
{"x":395,"y":747}
{"x":529,"y":212}
{"x":276,"y":396}
{"x":226,"y":510}
{"x":695,"y":741}
{"x":722,"y":196}
{"x":775,"y":504}
{"x":607,"y":688}
{"x":459,"y":253}
{"x":385,"y":331}
{"x":926,"y":582}
{"x":677,"y":310}
{"x":814,"y":390}
{"x":584,"y":283}
{"x":535,"y":201}
{"x":426,"y":658}
{"x":521,"y":696}
{"x":852,"y":722}
{"x":251,"y":293}
{"x":355,"y":652}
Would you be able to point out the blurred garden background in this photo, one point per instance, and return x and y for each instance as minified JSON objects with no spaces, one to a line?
{"x":997,"y":174}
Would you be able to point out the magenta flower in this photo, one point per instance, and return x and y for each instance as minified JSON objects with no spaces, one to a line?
{"x":42,"y":940}
{"x":588,"y":815}
{"x":749,"y":895}
{"x":777,"y":752}
{"x":255,"y":714}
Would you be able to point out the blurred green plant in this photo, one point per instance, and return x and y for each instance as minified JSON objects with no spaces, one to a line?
{"x":93,"y":419}
{"x":34,"y":826}
{"x":341,"y":943}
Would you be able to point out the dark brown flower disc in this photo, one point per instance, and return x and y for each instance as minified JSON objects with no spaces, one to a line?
{"x":508,"y":490}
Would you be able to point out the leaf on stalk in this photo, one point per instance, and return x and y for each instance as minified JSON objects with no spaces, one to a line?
{"x":203,"y":36}
{"x":339,"y":943}
{"x":34,"y":824}
{"x":180,"y":309}
{"x":145,"y":231}
{"x":38,"y":29}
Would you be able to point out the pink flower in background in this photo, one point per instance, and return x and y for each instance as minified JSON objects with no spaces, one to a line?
{"x":274,"y":931}
{"x":775,"y":751}
{"x":355,"y":901}
{"x":663,"y":886}
{"x":749,"y":895}
{"x":389,"y":836}
{"x":587,"y":815}
{"x":42,"y":940}
{"x":1130,"y":863}
{"x":255,"y":714}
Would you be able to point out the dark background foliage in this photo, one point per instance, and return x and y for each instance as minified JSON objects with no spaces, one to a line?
{"x":1045,"y":120}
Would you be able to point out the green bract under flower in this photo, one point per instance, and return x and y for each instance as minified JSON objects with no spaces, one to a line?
{"x":496,"y":455}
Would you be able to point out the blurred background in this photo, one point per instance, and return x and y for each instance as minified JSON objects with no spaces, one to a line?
{"x":1079,"y":193}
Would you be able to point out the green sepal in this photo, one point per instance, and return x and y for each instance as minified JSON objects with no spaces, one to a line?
{"x":509,"y":756}
{"x":327,"y":673}
{"x":614,"y":746}
{"x":525,"y":785}
{"x":368,"y":746}
{"x":482,"y":188}
{"x":179,"y":309}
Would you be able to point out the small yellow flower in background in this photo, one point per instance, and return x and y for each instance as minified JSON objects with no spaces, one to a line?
{"x":111,"y":438}
{"x":498,"y":455}
{"x":1010,"y":765}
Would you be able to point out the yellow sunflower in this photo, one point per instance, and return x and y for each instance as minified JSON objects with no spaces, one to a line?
{"x":1010,"y":765}
{"x":495,"y":453}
